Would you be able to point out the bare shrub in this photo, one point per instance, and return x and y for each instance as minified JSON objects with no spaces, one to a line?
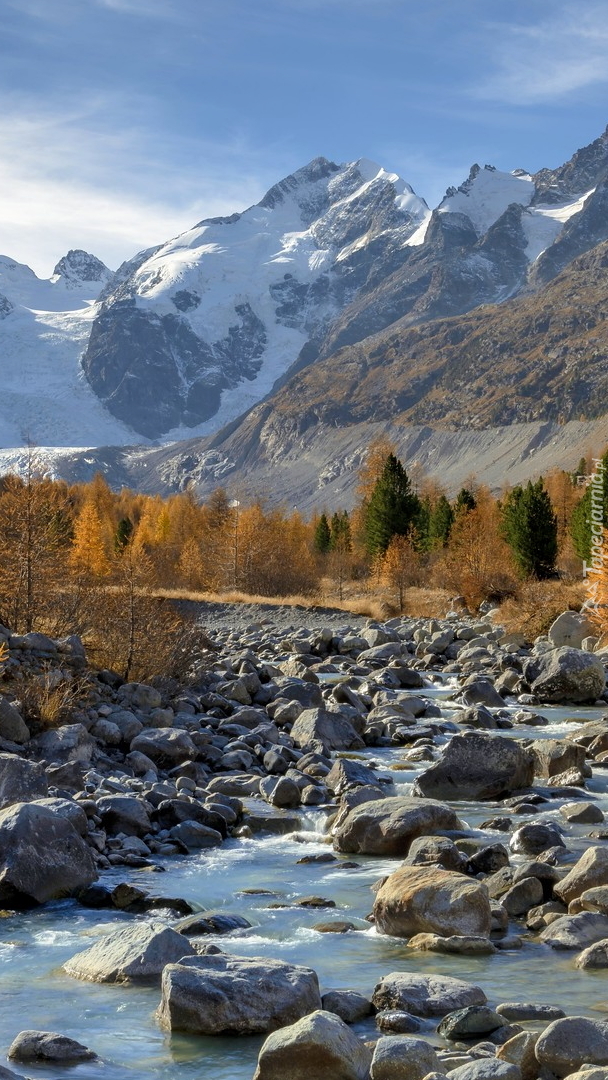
{"x":537,"y":604}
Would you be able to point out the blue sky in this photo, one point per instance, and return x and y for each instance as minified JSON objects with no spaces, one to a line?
{"x":123,"y":122}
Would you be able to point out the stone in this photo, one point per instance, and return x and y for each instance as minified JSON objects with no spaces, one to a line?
{"x":21,"y":780}
{"x":12,"y":725}
{"x":347,"y":773}
{"x":486,"y":1069}
{"x":594,"y":957}
{"x":455,"y":945}
{"x":166,"y":747}
{"x":522,"y":1010}
{"x":590,"y":870}
{"x":576,"y":931}
{"x":436,"y":851}
{"x":388,"y":826}
{"x":581,"y":813}
{"x":554,"y":756}
{"x":397,"y":1022}
{"x":565,"y":675}
{"x":331,"y":730}
{"x":570,"y":628}
{"x":347,"y":1004}
{"x":470,"y":1023}
{"x":71,"y":742}
{"x":401,"y":1057}
{"x":519,"y":1051}
{"x":565,"y":1045}
{"x":522,"y":896}
{"x":534,"y":838}
{"x":280,"y":791}
{"x":591,"y":900}
{"x":214,"y":995}
{"x":42,"y":857}
{"x":195,"y":836}
{"x":69,"y":809}
{"x":420,"y":899}
{"x":136,"y":953}
{"x":425,"y":995}
{"x":123,"y":814}
{"x":477,"y":766}
{"x":319,"y":1045}
{"x":37,"y":1046}
{"x":141,"y":695}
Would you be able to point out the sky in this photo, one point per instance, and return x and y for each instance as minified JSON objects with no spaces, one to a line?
{"x":124,"y":122}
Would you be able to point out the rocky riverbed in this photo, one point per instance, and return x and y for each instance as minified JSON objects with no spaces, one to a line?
{"x":344,"y":849}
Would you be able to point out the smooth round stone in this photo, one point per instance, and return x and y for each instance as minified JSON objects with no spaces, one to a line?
{"x":470,"y":1022}
{"x":396,"y":1022}
{"x":581,"y":813}
{"x":523,"y":1010}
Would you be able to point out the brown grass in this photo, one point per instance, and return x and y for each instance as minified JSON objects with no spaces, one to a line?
{"x":49,"y":702}
{"x":537,"y":604}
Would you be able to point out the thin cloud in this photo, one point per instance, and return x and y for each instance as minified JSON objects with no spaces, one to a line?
{"x":546,"y":61}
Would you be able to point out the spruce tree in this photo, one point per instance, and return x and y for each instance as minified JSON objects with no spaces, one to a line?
{"x":322,"y":537}
{"x":392,"y":507}
{"x":123,"y":534}
{"x":440,"y":524}
{"x":465,"y":500}
{"x":340,"y":539}
{"x":529,"y":525}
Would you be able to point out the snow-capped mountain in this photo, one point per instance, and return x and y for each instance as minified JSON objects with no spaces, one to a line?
{"x":186,"y":337}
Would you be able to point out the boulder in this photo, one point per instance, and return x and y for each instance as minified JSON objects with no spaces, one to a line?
{"x":123,"y":814}
{"x":487,"y":1068}
{"x":346,"y":773}
{"x":470,"y":1023}
{"x":136,"y":953}
{"x":401,"y":1056}
{"x":37,"y":1046}
{"x":195,"y":836}
{"x":425,"y":995}
{"x":388,"y":826}
{"x":438,"y":851}
{"x":214,"y":995}
{"x":319,"y":1045}
{"x":554,"y":756}
{"x":331,"y":730}
{"x":475,"y":765}
{"x":582,"y":813}
{"x":421,"y":899}
{"x":576,"y":931}
{"x":570,"y":628}
{"x":347,"y":1004}
{"x":590,"y":870}
{"x":71,"y":742}
{"x":566,"y":674}
{"x":595,"y":956}
{"x":166,"y":747}
{"x":42,"y":857}
{"x":12,"y":725}
{"x":455,"y":945}
{"x":565,"y":1045}
{"x":69,"y":809}
{"x":519,"y":1051}
{"x":535,"y":837}
{"x":21,"y":780}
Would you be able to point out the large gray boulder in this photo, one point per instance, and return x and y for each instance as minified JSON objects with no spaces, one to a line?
{"x":571,"y":628}
{"x":123,"y":814}
{"x":590,"y":871}
{"x":565,"y":674}
{"x":320,"y":1046}
{"x":576,"y":931}
{"x":40,"y":1046}
{"x":425,"y":899}
{"x":12,"y":725}
{"x":475,"y":765}
{"x":166,"y":747}
{"x":331,"y":730}
{"x":72,"y":742}
{"x":21,"y":780}
{"x":42,"y":857}
{"x":425,"y":995}
{"x":388,"y":826}
{"x":399,"y":1056}
{"x":567,"y":1044}
{"x":554,"y":756}
{"x":137,"y":953}
{"x":220,"y":994}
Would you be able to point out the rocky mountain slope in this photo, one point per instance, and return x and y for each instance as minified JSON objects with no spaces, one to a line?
{"x":341,"y":300}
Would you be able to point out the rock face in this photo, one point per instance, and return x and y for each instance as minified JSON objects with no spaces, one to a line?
{"x":42,"y":857}
{"x":425,"y":995}
{"x":21,"y":780}
{"x":566,"y":1044}
{"x":477,"y":766}
{"x":214,"y":995}
{"x":137,"y":953}
{"x":566,"y":674}
{"x":388,"y":826}
{"x":320,"y":1046}
{"x":418,"y":899}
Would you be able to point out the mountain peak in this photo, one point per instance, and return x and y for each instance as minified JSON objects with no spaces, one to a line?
{"x":79,"y":266}
{"x":317,"y":169}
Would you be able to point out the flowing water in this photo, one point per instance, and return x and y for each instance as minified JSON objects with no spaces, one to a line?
{"x":262,"y":880}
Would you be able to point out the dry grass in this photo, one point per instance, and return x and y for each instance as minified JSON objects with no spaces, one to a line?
{"x":48,"y":701}
{"x":537,"y":604}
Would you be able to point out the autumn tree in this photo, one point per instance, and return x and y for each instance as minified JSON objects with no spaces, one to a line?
{"x":478,"y":562}
{"x":400,"y":567}
{"x":88,"y":556}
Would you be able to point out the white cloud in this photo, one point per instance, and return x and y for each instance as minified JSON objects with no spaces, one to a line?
{"x":67,"y":181}
{"x":534,"y":64}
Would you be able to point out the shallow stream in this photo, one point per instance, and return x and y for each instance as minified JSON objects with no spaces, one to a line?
{"x":247,"y":877}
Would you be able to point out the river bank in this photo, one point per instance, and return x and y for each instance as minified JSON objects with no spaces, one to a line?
{"x":208,"y":798}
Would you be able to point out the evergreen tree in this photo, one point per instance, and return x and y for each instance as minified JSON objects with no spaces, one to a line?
{"x":529,"y":525}
{"x":340,"y":537}
{"x":593,"y":508}
{"x":440,"y":523}
{"x":322,"y":537}
{"x":123,"y":534}
{"x":392,"y":507}
{"x":465,"y":500}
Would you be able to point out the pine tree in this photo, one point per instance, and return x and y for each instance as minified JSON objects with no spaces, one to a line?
{"x":591,"y":511}
{"x":392,"y":507}
{"x":123,"y":534}
{"x":322,"y":536}
{"x":465,"y":501}
{"x":529,"y":525}
{"x":440,"y":523}
{"x":340,"y":534}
